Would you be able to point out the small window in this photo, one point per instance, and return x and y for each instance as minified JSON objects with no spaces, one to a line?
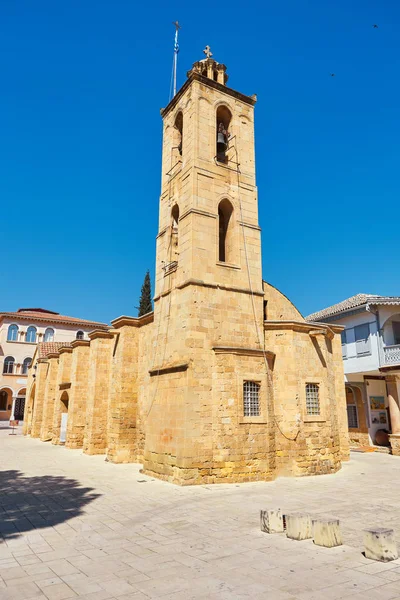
{"x":25,"y":366}
{"x":363,"y":339}
{"x":49,"y":335}
{"x":8,"y":364}
{"x":251,"y":399}
{"x":312,"y":399}
{"x":344,"y":346}
{"x":352,"y":416}
{"x":265,"y":310}
{"x":12,"y":334}
{"x":31,"y":335}
{"x":79,"y":335}
{"x":3,"y":400}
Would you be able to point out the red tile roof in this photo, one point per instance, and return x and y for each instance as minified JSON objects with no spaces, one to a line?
{"x":39,"y":314}
{"x":45,"y":348}
{"x":353,"y":302}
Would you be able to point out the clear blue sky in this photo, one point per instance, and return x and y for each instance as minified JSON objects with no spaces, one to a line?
{"x":82,"y":83}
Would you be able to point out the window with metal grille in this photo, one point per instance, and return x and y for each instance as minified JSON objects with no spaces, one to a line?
{"x":352,"y":416}
{"x":251,"y":399}
{"x":312,"y":399}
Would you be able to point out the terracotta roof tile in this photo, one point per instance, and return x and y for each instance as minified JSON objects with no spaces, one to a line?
{"x":51,"y":317}
{"x":353,"y":302}
{"x":45,"y":348}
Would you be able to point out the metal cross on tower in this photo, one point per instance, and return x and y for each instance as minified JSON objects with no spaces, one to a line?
{"x":207,"y":52}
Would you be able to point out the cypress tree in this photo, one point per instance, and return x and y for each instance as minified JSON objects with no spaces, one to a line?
{"x":145,"y":303}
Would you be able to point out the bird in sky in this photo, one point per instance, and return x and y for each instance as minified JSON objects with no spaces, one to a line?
{"x":333,"y":74}
{"x":375,"y":26}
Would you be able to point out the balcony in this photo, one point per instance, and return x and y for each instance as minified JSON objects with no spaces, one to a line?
{"x":392,"y":354}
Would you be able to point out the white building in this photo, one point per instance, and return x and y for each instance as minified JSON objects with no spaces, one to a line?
{"x":371,"y":357}
{"x":19,"y":334}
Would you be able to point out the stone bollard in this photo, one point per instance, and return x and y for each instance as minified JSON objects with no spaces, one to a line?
{"x":379,"y":544}
{"x":271,"y":521}
{"x":326,"y":532}
{"x":298,"y":526}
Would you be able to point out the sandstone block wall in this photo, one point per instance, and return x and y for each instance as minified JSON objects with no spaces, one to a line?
{"x":78,"y":393}
{"x":63,"y":387}
{"x":46,"y":432}
{"x":99,"y":373}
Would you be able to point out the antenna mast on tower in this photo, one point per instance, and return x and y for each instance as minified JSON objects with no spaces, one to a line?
{"x":176,"y":50}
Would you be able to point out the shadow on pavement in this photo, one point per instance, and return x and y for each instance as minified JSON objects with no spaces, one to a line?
{"x":31,"y":503}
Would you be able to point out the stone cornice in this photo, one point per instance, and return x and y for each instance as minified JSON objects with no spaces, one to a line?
{"x":42,"y":360}
{"x":197,"y":211}
{"x":244,"y":351}
{"x":251,"y":100}
{"x":171,"y":368}
{"x":77,"y":343}
{"x":312,"y":329}
{"x":98,"y":333}
{"x":53,"y":355}
{"x":64,"y":349}
{"x":133,"y":321}
{"x":228,"y":288}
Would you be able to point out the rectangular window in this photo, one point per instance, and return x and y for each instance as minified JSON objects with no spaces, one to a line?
{"x":363,"y":339}
{"x":344,"y":346}
{"x":312,"y":399}
{"x":251,"y":399}
{"x":352,"y":416}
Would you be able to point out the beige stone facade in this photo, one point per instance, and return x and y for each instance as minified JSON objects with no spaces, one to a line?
{"x":225,"y":381}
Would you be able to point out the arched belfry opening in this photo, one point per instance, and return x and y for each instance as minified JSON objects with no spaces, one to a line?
{"x":225,"y":232}
{"x":223,"y":121}
{"x":174,"y":232}
{"x":178,"y":133}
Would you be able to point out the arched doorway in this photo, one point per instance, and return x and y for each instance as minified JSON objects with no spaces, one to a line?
{"x":6,"y":395}
{"x":64,"y":401}
{"x":19,"y":406}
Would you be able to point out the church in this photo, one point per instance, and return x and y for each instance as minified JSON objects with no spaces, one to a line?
{"x":225,"y":381}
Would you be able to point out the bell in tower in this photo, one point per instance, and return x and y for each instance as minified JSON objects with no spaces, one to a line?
{"x":222,"y":142}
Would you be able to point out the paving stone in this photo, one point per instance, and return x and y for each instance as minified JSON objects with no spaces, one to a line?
{"x":194,"y":542}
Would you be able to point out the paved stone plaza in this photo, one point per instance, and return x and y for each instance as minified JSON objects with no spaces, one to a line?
{"x":75,"y":526}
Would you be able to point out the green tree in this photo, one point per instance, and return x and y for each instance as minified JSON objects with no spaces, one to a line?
{"x":145,"y":303}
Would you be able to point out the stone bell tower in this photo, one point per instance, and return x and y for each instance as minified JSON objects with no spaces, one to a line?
{"x":208,"y":307}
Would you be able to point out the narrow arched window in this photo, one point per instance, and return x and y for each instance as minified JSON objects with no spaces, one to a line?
{"x":49,"y":335}
{"x":174,"y":232}
{"x":79,"y":335}
{"x":25,"y":366}
{"x":178,"y":133}
{"x":12,"y":334}
{"x":223,"y":122}
{"x":225,"y":231}
{"x":31,"y":334}
{"x":8,"y":367}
